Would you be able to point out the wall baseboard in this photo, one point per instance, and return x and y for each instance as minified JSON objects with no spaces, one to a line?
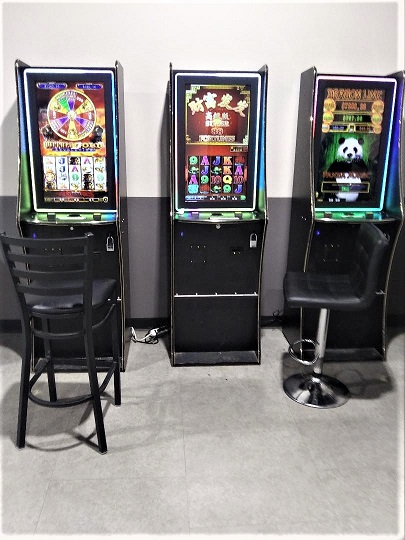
{"x":13,"y":326}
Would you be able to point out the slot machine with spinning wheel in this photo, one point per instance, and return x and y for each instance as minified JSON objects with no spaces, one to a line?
{"x":72,"y":179}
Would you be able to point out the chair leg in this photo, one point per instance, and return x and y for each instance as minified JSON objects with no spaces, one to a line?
{"x":24,"y":390}
{"x":316,"y":389}
{"x":94,"y":389}
{"x":49,"y":368}
{"x":116,"y":359}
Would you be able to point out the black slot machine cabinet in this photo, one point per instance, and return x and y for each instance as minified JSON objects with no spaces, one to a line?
{"x":218,"y":215}
{"x":347,"y":171}
{"x":72,"y":179}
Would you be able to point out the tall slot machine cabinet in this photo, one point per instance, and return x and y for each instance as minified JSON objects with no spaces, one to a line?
{"x":72,"y":179}
{"x":348,"y":165}
{"x":218,"y":215}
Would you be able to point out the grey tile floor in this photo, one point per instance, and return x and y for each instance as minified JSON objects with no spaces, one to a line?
{"x":214,"y":450}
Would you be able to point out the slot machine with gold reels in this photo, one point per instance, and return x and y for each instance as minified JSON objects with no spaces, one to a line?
{"x":72,"y":178}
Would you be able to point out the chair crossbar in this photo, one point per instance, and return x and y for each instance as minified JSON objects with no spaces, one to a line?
{"x":50,"y":259}
{"x":42,"y":364}
{"x":48,"y":242}
{"x":65,"y":316}
{"x":65,"y":402}
{"x":100,"y":323}
{"x":56,"y":335}
{"x":108,"y":376}
{"x":48,"y":291}
{"x":39,"y":275}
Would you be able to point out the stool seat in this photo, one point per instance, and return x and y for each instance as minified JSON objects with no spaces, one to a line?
{"x":321,"y":290}
{"x":351,"y":291}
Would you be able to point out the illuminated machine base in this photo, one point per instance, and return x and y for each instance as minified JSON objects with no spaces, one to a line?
{"x":68,"y":217}
{"x":353,"y":216}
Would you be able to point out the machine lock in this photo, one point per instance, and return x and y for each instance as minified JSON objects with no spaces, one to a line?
{"x":110,"y":243}
{"x":253,"y":241}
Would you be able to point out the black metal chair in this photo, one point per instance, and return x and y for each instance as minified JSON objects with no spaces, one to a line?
{"x":60,"y":300}
{"x":353,"y":291}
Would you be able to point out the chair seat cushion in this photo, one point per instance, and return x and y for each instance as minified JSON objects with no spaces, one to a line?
{"x":102,"y":291}
{"x":318,"y":290}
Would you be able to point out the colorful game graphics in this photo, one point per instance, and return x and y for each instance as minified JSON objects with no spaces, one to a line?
{"x":72,"y":141}
{"x":216,"y":175}
{"x":354,"y":126}
{"x":217,"y":137}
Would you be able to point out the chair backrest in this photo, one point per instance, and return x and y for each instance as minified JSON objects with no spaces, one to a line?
{"x":370,"y":248}
{"x":45,"y":270}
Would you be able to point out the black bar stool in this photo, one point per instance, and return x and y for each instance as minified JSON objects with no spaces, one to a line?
{"x":353,"y":291}
{"x":60,"y":300}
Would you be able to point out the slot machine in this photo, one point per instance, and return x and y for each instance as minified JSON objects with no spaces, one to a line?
{"x":347,"y":171}
{"x":72,"y":179}
{"x":218,"y":215}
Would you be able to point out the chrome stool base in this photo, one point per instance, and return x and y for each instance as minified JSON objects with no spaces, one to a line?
{"x":316,"y":390}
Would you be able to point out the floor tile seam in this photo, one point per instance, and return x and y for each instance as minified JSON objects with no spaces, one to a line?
{"x":68,"y":433}
{"x":308,"y":439}
{"x":371,"y":436}
{"x":353,"y":472}
{"x":241,"y":476}
{"x":184,"y":458}
{"x":84,"y":477}
{"x":262,"y":521}
{"x":335,"y":509}
{"x":116,"y":479}
{"x":42,"y":506}
{"x":313,"y":460}
{"x":243,"y":430}
{"x":301,"y":520}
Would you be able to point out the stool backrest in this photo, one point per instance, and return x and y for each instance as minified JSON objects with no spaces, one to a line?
{"x":370,"y":247}
{"x":46,"y":268}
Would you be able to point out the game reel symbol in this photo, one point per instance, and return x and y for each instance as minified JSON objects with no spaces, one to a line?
{"x":192,"y":189}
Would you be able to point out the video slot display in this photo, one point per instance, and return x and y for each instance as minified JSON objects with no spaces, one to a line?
{"x":217,"y":142}
{"x":71,"y":128}
{"x":353,"y":121}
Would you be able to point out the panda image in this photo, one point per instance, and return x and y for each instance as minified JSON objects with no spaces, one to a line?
{"x":350,"y":163}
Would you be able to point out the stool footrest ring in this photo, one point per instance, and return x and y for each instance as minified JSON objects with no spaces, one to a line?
{"x":294,"y":354}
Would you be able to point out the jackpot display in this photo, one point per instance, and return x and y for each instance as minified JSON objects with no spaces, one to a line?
{"x":217,"y":135}
{"x":353,"y":124}
{"x":70,"y":128}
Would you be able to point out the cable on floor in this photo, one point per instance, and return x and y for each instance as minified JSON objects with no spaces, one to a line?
{"x":151,"y":337}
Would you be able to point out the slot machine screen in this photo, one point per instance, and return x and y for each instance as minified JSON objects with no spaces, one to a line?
{"x":352,"y":131}
{"x":71,"y":137}
{"x":216,"y":137}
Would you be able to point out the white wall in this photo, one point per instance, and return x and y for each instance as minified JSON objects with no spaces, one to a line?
{"x":357,"y":38}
